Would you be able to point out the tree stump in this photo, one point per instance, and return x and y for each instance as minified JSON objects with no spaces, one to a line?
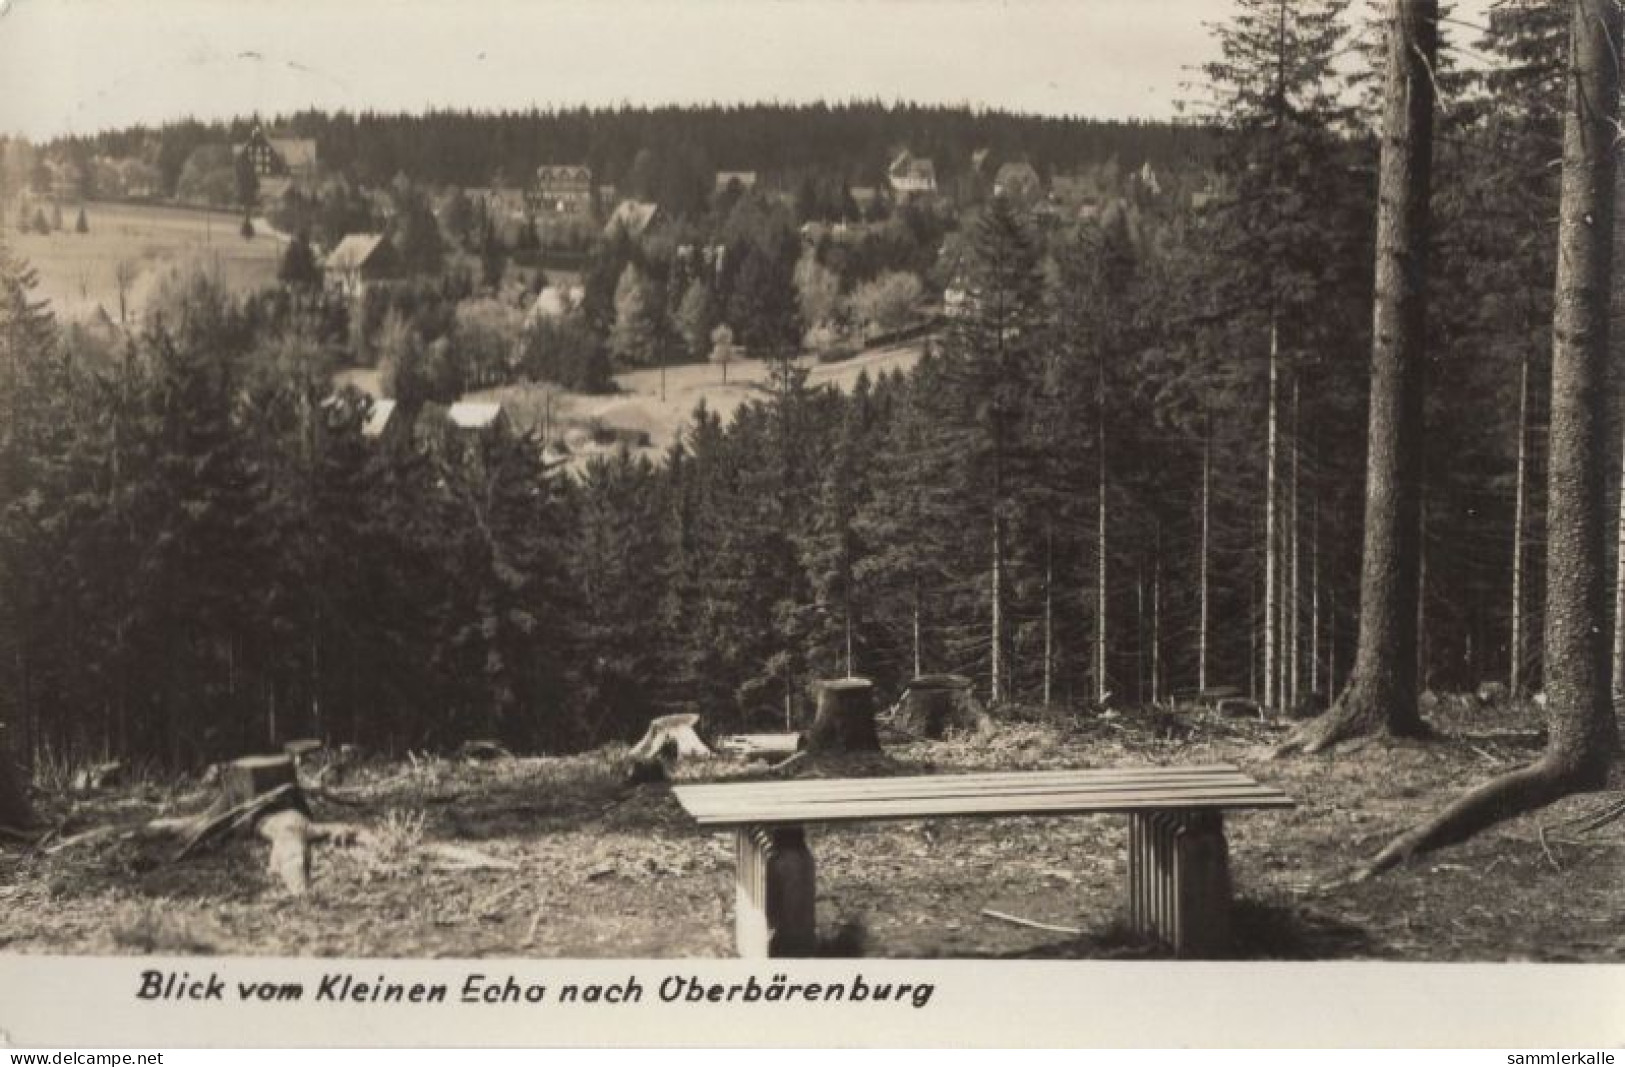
{"x":846,"y":717}
{"x":935,"y":704}
{"x":261,"y":793}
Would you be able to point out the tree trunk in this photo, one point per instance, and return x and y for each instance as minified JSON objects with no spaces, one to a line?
{"x":1582,"y":735}
{"x":1382,"y":692}
{"x":1293,"y":629}
{"x":1314,"y":598}
{"x":996,"y":686}
{"x":1101,"y":686}
{"x":846,"y":717}
{"x":1156,"y":621}
{"x":1202,"y":610}
{"x":1519,"y":510}
{"x":1049,"y":615}
{"x":1271,"y":522}
{"x":1422,"y":599}
{"x":16,"y":813}
{"x":917,"y":657}
{"x":1619,"y":600}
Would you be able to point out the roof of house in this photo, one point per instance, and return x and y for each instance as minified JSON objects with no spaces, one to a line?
{"x":633,"y":216}
{"x":295,"y":151}
{"x":354,"y":251}
{"x":378,"y":418}
{"x":473,"y":415}
{"x":745,"y":178}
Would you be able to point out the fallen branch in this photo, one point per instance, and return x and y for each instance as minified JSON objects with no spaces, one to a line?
{"x":1070,"y":931}
{"x":236,"y":817}
{"x":457,"y":858}
{"x":1540,"y":832}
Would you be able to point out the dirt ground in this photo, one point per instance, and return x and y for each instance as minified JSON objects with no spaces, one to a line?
{"x":594,"y":868}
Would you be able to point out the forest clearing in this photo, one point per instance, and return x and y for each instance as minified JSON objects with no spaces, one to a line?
{"x":1221,"y":458}
{"x":583,"y":865}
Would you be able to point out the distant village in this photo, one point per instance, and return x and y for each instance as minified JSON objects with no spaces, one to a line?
{"x":561,"y":276}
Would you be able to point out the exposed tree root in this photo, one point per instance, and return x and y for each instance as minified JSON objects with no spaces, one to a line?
{"x":1512,"y":794}
{"x":1356,"y":714}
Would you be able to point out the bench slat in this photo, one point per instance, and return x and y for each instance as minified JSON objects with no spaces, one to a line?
{"x":917,"y":789}
{"x":1039,"y":804}
{"x":1147,"y":771}
{"x":991,"y":782}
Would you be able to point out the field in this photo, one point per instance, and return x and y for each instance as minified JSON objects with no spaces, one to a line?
{"x":78,"y":272}
{"x":583,"y":865}
{"x":640,"y":405}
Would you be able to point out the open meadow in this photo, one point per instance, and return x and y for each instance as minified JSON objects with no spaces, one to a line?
{"x":80,"y":273}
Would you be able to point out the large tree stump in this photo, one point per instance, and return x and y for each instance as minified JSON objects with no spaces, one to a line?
{"x":934,"y":705}
{"x":668,"y":739}
{"x":261,"y":793}
{"x":676,"y":729}
{"x":846,"y":717}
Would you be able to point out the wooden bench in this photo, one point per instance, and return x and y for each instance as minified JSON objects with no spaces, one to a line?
{"x":1178,"y":863}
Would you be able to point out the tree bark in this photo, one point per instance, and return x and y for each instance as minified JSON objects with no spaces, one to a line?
{"x":1582,"y":734}
{"x":1382,"y":691}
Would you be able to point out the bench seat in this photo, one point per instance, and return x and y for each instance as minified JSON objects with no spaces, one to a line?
{"x":1179,"y":887}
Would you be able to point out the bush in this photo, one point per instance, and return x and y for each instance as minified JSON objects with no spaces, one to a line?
{"x":888,"y":302}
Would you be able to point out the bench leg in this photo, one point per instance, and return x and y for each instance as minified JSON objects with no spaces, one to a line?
{"x":1179,"y":881}
{"x":774,"y":913}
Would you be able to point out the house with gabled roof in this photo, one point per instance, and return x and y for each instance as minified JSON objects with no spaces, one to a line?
{"x":359,"y":260}
{"x":280,"y":157}
{"x":473,"y":416}
{"x":562,"y":189}
{"x":911,"y":175}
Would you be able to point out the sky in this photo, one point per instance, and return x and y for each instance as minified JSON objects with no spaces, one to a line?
{"x":78,"y":66}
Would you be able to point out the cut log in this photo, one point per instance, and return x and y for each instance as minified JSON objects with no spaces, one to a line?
{"x":935,"y":705}
{"x":846,"y":717}
{"x":762,"y":746}
{"x":298,"y":750}
{"x":483,"y":751}
{"x":288,"y":831}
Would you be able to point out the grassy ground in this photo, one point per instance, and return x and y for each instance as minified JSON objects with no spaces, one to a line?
{"x":77,"y":271}
{"x":603,"y":870}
